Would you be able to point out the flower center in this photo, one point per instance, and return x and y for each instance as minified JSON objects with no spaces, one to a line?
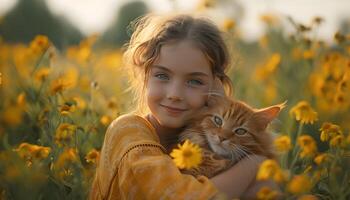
{"x":187,"y":153}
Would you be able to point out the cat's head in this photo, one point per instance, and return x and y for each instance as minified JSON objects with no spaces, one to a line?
{"x":233,"y":129}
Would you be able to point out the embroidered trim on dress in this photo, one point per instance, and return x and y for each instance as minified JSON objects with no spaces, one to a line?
{"x":131,"y":148}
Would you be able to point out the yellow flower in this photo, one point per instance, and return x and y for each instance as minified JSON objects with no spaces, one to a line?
{"x":273,"y":62}
{"x":21,"y":99}
{"x":70,"y":77}
{"x":42,"y":152}
{"x":308,"y":146}
{"x":40,"y":44}
{"x":187,"y":156}
{"x":24,"y":150}
{"x":204,"y":4}
{"x":228,"y":24}
{"x":282,"y":143}
{"x":66,"y":81}
{"x":308,"y":54}
{"x":63,"y":166}
{"x":304,"y":113}
{"x":329,"y":130}
{"x":93,"y":156}
{"x":269,"y":19}
{"x":105,"y":120}
{"x":12,"y":115}
{"x":263,"y":41}
{"x":270,"y":169}
{"x":67,"y":157}
{"x":270,"y":92}
{"x":337,"y":141}
{"x":308,"y":197}
{"x":299,"y":184}
{"x":29,"y":151}
{"x":82,"y":53}
{"x":57,"y":86}
{"x":269,"y":67}
{"x":321,"y":158}
{"x":296,"y":53}
{"x":265,"y":193}
{"x":81,"y":104}
{"x":112,"y":104}
{"x":67,"y":108}
{"x":64,"y":133}
{"x":42,"y":74}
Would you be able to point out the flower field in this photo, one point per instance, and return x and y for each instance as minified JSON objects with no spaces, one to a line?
{"x":55,"y":106}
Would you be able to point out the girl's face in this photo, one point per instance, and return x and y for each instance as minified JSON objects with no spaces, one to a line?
{"x":178,"y":83}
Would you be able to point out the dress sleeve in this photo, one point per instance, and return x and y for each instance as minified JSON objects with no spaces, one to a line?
{"x":147,"y":171}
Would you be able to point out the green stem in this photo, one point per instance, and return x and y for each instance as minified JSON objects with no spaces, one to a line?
{"x":39,"y":61}
{"x":39,"y":92}
{"x":295,"y":138}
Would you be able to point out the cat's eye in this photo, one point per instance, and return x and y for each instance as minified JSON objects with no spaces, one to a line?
{"x":218,"y":120}
{"x":240,"y":131}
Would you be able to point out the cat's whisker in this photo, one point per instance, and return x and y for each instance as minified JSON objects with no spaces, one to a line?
{"x":238,"y":151}
{"x":235,"y":155}
{"x":241,"y":153}
{"x":245,"y":152}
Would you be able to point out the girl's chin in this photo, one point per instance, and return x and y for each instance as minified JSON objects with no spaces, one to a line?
{"x":172,"y":125}
{"x":171,"y":122}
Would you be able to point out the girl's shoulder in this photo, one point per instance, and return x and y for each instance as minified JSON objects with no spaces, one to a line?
{"x":129,"y":128}
{"x":124,"y":133}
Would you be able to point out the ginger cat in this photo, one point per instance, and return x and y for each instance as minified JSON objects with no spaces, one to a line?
{"x":228,"y":130}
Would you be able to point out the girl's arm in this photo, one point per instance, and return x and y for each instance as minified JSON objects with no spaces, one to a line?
{"x":133,"y":165}
{"x":239,"y":178}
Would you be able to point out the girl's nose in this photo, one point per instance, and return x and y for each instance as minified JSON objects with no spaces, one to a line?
{"x":175,"y":98}
{"x":174,"y":92}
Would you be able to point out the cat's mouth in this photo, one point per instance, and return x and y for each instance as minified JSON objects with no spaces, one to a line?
{"x":217,"y":146}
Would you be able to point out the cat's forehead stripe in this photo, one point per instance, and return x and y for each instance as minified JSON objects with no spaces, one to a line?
{"x":228,"y":113}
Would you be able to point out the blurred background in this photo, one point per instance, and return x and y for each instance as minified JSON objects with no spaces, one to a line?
{"x":86,"y":17}
{"x":62,"y":82}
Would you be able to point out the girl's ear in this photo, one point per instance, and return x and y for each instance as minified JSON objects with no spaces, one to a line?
{"x":215,"y":93}
{"x":262,"y":117}
{"x":213,"y":100}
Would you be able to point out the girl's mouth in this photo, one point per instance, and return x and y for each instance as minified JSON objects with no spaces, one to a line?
{"x":173,"y":111}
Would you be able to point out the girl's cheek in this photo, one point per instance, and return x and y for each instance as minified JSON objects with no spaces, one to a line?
{"x":197,"y":97}
{"x":154,"y":88}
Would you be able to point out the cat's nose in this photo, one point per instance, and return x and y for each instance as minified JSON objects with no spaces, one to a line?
{"x":221,"y":138}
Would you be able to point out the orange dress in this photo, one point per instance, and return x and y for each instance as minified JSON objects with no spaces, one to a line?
{"x":134,"y":165}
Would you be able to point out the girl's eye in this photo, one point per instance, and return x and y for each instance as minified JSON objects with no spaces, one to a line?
{"x":218,"y":120}
{"x":240,"y":131}
{"x":195,"y":82}
{"x":162,"y":76}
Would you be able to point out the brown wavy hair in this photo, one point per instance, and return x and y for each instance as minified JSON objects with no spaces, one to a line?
{"x":151,"y":32}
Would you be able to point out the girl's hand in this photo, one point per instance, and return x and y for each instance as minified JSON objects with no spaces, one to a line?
{"x":235,"y":181}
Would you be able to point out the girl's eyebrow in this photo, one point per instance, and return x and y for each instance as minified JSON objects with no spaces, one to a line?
{"x":190,"y":74}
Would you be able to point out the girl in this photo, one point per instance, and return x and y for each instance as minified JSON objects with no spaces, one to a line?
{"x":176,"y":61}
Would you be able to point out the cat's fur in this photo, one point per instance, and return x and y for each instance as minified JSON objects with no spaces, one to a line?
{"x":223,"y":146}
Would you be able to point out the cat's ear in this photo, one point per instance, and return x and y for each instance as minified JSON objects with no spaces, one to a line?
{"x":265,"y":115}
